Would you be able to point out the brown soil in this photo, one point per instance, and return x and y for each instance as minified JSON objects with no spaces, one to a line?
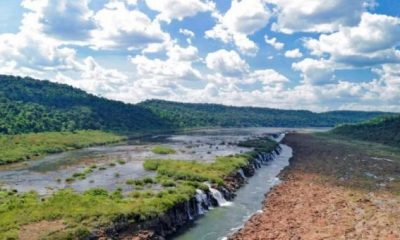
{"x":37,"y":230}
{"x":332,"y":190}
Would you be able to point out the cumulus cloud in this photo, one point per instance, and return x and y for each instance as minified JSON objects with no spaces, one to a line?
{"x":266,"y":77}
{"x":66,"y":20}
{"x":175,"y":9}
{"x":227,"y":63}
{"x":294,"y":53}
{"x":33,"y":51}
{"x":373,"y":41}
{"x":315,"y":72}
{"x":316,"y":15}
{"x":94,"y":78}
{"x":114,"y":32}
{"x":274,"y":43}
{"x":244,"y":18}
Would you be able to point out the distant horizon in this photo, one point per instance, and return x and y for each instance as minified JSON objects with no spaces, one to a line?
{"x":284,"y":54}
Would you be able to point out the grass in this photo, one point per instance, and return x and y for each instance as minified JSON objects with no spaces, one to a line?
{"x":160,"y":149}
{"x":15,"y":148}
{"x":213,"y":172}
{"x":81,"y":212}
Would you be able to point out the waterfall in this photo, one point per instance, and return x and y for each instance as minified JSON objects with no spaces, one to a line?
{"x":201,"y":198}
{"x":187,"y":206}
{"x":241,"y":173}
{"x":217,"y":195}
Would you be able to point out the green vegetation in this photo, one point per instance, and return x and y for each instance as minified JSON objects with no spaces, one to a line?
{"x":21,"y":147}
{"x":380,"y":130}
{"x":260,"y":145}
{"x":80,"y":212}
{"x":190,"y":115}
{"x":28,"y":105}
{"x":159,"y":149}
{"x":97,"y":207}
{"x":213,"y":172}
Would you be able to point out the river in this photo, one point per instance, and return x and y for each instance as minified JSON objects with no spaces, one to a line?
{"x":220,"y":222}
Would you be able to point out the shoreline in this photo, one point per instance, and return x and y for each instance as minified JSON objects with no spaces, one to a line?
{"x":329,"y":191}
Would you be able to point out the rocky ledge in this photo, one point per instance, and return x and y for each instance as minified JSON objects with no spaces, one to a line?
{"x":131,"y":227}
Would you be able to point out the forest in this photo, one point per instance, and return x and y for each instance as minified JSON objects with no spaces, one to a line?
{"x":384,"y":130}
{"x":29,"y":105}
{"x":208,"y":115}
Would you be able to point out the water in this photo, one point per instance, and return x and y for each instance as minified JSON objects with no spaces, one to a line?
{"x":223,"y":221}
{"x":48,"y":174}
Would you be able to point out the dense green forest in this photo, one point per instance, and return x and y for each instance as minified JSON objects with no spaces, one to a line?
{"x":203,"y":115}
{"x":385,"y":130}
{"x":29,"y":105}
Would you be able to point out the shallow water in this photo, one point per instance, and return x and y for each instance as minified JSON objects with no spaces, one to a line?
{"x":49,"y":173}
{"x":223,"y":221}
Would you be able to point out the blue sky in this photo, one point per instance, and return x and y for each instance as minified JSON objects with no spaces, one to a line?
{"x":294,"y":54}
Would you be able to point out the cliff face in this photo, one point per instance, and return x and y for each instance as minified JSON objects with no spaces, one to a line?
{"x":131,"y":227}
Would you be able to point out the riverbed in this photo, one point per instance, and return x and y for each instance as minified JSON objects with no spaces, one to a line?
{"x":113,"y":165}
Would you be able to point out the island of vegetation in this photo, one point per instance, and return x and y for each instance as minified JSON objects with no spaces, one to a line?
{"x":160,"y":149}
{"x":71,"y":215}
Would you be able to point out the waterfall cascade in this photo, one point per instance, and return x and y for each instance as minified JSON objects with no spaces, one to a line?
{"x":241,"y":173}
{"x":201,"y":199}
{"x":218,"y":196}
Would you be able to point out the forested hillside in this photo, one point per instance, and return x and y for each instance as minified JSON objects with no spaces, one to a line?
{"x":381,"y":130}
{"x":28,"y":105}
{"x":200,"y":115}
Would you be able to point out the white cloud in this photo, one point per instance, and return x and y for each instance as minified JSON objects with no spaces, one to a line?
{"x":315,"y":72}
{"x":50,"y":17}
{"x":316,"y":15}
{"x":114,"y":32}
{"x":266,"y":77}
{"x":372,"y":42}
{"x":274,"y":43}
{"x":94,"y":78}
{"x":294,"y":53}
{"x":244,"y":18}
{"x":168,"y":70}
{"x":178,"y":53}
{"x":187,"y":32}
{"x":35,"y":52}
{"x":175,"y":9}
{"x":177,"y":66}
{"x":227,"y":63}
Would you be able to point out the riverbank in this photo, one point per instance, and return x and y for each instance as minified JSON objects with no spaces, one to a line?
{"x":333,"y":189}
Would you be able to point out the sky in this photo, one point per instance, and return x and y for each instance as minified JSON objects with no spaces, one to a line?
{"x":317,"y":55}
